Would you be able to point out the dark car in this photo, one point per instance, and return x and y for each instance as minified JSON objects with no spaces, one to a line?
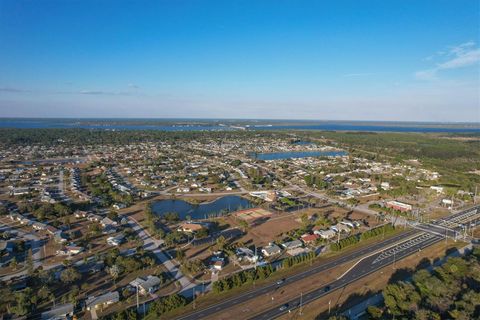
{"x":326,"y":289}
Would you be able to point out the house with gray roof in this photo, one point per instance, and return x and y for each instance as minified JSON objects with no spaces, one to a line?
{"x":102,"y":301}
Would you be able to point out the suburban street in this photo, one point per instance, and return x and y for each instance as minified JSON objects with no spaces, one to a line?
{"x":36,"y":245}
{"x":152,"y":244}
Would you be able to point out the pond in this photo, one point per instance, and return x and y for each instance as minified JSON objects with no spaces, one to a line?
{"x":218,"y":207}
{"x":296,"y":154}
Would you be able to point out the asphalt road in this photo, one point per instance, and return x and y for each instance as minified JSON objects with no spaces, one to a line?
{"x":374,"y":258}
{"x":203,"y":313}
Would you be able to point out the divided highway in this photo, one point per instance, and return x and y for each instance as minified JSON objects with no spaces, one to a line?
{"x":370,"y":259}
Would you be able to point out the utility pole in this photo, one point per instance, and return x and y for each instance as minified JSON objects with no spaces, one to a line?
{"x":301,"y":298}
{"x":446,"y":236}
{"x":138,"y":306}
{"x":193,"y":292}
{"x":475,"y":196}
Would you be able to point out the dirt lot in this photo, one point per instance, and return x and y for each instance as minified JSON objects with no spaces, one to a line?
{"x":437,"y":213}
{"x":280,"y":223}
{"x":263,"y":233}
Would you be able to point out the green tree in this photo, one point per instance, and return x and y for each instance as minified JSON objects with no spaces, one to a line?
{"x":70,"y":275}
{"x":29,"y":262}
{"x":374,"y":312}
{"x":23,"y":305}
{"x":221,"y":241}
{"x":14,"y":263}
{"x":401,"y":298}
{"x":180,"y":255}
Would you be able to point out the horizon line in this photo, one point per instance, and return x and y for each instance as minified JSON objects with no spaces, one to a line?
{"x":241,"y":119}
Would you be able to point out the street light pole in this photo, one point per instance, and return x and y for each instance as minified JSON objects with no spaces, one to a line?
{"x":394,"y":252}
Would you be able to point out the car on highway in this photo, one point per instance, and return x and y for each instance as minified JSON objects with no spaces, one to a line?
{"x":279,"y":282}
{"x":326,"y":289}
{"x":284,"y":307}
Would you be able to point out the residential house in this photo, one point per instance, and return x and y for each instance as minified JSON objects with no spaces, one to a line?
{"x":348,"y":223}
{"x":51,"y":230}
{"x":271,"y":250}
{"x":309,"y":238}
{"x":339,"y":228}
{"x":218,"y":264}
{"x":39,"y":226}
{"x":60,"y":237}
{"x":116,"y":240}
{"x":292,"y":244}
{"x":63,"y":311}
{"x":245,"y":254}
{"x":81,"y":214}
{"x":94,"y":217}
{"x":118,"y":206}
{"x":105,"y":222}
{"x":325,"y":234}
{"x":73,"y":250}
{"x":102,"y":301}
{"x":146,"y":285}
{"x":190,"y":227}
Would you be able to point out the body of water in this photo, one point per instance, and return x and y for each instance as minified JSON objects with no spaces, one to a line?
{"x":218,"y":207}
{"x":103,"y":125}
{"x":297,"y":154}
{"x":370,"y":128}
{"x":217,"y":125}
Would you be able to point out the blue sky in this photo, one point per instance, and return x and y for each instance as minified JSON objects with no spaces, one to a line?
{"x":348,"y":60}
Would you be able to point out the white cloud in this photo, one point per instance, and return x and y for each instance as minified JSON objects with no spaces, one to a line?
{"x":107,"y":93}
{"x":460,"y":56}
{"x":462,"y":59}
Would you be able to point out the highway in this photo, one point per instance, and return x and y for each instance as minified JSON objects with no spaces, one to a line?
{"x":376,"y":261}
{"x":368,"y":260}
